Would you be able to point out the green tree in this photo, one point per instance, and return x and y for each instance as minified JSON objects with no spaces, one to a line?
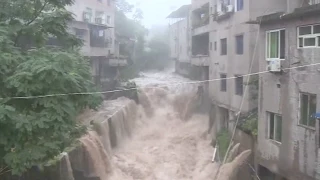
{"x":157,"y":55}
{"x":34,"y":130}
{"x":133,"y":29}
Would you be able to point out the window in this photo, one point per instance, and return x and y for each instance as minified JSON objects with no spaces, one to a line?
{"x":108,"y":19}
{"x":308,"y":107}
{"x":239,"y":85}
{"x":215,"y":45}
{"x":80,"y":33}
{"x":223,"y":82}
{"x":100,"y":17}
{"x":88,"y":15}
{"x":309,"y":36}
{"x":101,"y":33}
{"x":210,"y":46}
{"x":223,"y":43}
{"x":275,"y":126}
{"x":275,"y":44}
{"x":239,"y":5}
{"x":239,"y":44}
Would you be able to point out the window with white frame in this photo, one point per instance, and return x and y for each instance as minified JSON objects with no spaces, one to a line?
{"x":275,"y":47}
{"x":274,"y":126}
{"x":309,"y":36}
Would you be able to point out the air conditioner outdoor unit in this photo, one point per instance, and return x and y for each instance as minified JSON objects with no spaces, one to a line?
{"x":229,"y":8}
{"x":274,"y":66}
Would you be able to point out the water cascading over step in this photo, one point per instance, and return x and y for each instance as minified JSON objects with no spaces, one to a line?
{"x":110,"y":127}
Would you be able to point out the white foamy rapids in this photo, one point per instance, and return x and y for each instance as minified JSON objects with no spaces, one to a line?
{"x":168,"y":80}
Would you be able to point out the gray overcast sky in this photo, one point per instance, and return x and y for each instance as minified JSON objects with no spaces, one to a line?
{"x":155,"y":11}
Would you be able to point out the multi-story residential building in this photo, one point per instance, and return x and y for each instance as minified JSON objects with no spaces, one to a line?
{"x":179,"y":37}
{"x":234,"y":53}
{"x":200,"y":45}
{"x":94,"y":24}
{"x":189,"y":39}
{"x":288,"y":133}
{"x":189,"y":42}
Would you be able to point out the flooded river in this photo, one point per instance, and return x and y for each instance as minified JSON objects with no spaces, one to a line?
{"x":164,"y":146}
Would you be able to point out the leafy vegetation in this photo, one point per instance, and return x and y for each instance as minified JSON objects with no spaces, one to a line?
{"x":254,"y":87}
{"x":35,"y":130}
{"x":147,"y":55}
{"x":249,"y":123}
{"x":223,"y":140}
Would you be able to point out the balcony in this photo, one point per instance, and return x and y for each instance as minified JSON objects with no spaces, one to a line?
{"x":200,"y":30}
{"x":200,"y":16}
{"x":200,"y":60}
{"x":87,"y":17}
{"x":222,"y":12}
{"x":201,"y":21}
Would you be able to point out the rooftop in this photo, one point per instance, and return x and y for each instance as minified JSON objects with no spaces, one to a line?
{"x":182,"y":12}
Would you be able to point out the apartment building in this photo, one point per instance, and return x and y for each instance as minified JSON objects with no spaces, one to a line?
{"x":94,"y":24}
{"x":200,"y":28}
{"x":189,"y":39}
{"x":179,"y":37}
{"x":234,"y":53}
{"x":288,"y":132}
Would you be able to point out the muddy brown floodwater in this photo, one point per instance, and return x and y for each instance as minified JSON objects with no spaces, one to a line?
{"x":164,"y":146}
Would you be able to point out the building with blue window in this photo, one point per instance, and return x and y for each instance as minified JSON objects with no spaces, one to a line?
{"x":288,"y":132}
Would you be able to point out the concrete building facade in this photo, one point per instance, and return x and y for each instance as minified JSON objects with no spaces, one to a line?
{"x":234,"y":53}
{"x":94,"y":22}
{"x":179,"y":37}
{"x":200,"y":27}
{"x":288,"y":133}
{"x":189,"y":39}
{"x":94,"y":19}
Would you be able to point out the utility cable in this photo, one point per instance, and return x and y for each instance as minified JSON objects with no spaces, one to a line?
{"x":161,"y":86}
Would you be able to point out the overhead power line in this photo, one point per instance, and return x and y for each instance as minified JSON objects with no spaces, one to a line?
{"x":161,"y":86}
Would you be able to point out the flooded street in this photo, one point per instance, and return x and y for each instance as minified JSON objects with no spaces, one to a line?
{"x":163,"y":146}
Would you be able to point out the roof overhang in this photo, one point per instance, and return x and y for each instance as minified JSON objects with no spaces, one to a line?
{"x":305,"y":11}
